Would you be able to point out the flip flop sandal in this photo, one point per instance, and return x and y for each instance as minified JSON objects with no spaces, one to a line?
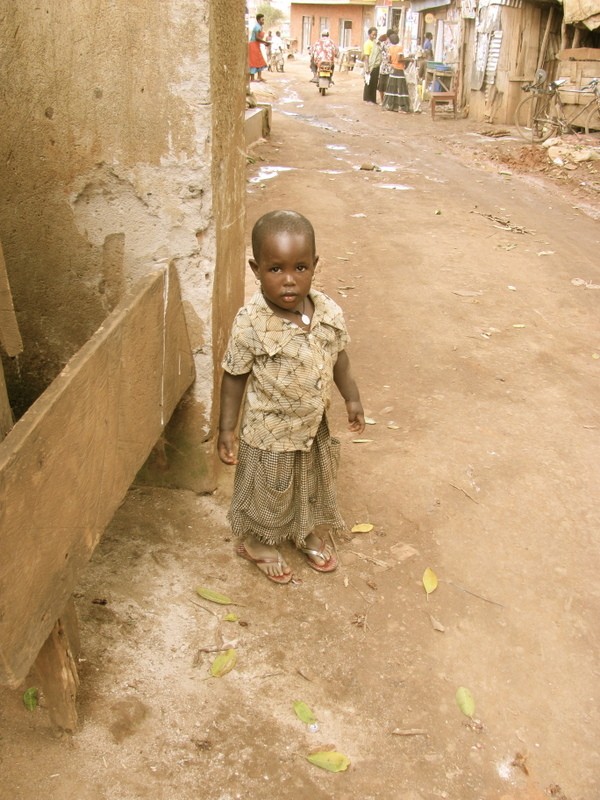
{"x":283,"y":579}
{"x":328,"y":566}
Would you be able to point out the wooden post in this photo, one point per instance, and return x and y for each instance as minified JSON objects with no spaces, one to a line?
{"x":544,"y":45}
{"x":56,"y":670}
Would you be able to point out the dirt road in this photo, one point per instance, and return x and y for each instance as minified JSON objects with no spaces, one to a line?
{"x":472,"y":300}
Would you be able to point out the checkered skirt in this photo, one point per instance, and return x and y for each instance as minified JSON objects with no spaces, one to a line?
{"x":281,"y":497}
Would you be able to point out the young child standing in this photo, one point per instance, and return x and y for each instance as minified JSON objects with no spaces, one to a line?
{"x":287,"y":348}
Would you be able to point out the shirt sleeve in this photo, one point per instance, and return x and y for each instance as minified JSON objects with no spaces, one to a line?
{"x":241,"y":350}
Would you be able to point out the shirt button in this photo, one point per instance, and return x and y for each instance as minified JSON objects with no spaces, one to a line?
{"x":319,"y":384}
{"x":309,"y":442}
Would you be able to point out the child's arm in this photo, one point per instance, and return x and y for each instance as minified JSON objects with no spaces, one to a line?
{"x":349,"y":391}
{"x":232,"y":392}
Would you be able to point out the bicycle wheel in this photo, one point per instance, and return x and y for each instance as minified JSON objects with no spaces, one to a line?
{"x":592,"y":122}
{"x":533,"y":118}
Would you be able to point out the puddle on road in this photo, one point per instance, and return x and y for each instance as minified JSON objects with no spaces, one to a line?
{"x":399,"y":187}
{"x":291,"y":97}
{"x":435,"y":180}
{"x":266,"y":173}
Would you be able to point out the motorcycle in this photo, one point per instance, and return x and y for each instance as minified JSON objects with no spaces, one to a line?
{"x":276,"y":62}
{"x":324,"y":73}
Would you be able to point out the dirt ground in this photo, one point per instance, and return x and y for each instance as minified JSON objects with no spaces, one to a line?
{"x":468,"y":270}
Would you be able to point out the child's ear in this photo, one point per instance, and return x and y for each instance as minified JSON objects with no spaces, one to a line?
{"x":253,"y":266}
{"x":316,"y":261}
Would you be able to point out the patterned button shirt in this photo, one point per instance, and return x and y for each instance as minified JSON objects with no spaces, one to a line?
{"x":291,"y":371}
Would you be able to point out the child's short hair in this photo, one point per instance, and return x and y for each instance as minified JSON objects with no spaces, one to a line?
{"x":274,"y":222}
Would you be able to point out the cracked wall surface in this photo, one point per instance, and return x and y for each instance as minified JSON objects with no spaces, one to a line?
{"x":121,"y":150}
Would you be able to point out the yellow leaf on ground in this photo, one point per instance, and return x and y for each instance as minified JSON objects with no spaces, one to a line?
{"x":430,"y":581}
{"x":363,"y":527}
{"x":223,"y":663}
{"x":370,"y":421}
{"x":361,"y":441}
{"x":465,"y":701}
{"x":330,"y":760}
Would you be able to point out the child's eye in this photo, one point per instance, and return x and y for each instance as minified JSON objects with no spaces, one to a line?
{"x":274,"y":269}
{"x":301,"y":267}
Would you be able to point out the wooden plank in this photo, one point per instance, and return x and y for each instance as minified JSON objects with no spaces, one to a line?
{"x":9,"y":329}
{"x":67,"y":464}
{"x":6,"y":417}
{"x":56,"y":672}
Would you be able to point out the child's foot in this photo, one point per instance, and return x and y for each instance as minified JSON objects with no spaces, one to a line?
{"x":267,"y":559}
{"x":319,"y":554}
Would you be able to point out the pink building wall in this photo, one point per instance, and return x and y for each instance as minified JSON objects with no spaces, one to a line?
{"x":360,"y":16}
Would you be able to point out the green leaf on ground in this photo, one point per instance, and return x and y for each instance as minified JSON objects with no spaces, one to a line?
{"x":303,"y":712}
{"x":465,"y":701}
{"x":223,"y":663}
{"x":214,"y":597}
{"x":330,"y":760}
{"x":30,"y":698}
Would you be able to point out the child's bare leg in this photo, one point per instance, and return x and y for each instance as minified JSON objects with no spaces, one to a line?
{"x":267,"y":558}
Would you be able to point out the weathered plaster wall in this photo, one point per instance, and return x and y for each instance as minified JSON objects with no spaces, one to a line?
{"x":121,"y":148}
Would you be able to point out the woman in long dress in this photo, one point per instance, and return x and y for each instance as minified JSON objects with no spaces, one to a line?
{"x":396,"y":92}
{"x":256,"y":61}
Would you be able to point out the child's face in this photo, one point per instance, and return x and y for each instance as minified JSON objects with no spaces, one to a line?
{"x":285,"y":269}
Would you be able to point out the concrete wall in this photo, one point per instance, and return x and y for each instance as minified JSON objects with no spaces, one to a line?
{"x":121,"y":148}
{"x":362,"y":19}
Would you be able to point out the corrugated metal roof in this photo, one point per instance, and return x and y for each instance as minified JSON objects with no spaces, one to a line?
{"x":423,"y":5}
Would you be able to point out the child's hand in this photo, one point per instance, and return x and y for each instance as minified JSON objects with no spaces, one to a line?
{"x":226,"y":447}
{"x":356,"y":416}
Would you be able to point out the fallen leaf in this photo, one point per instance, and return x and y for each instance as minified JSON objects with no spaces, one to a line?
{"x":308,"y":676}
{"x":370,"y":421}
{"x":361,"y":441}
{"x":519,"y":325}
{"x":363,"y":527}
{"x":214,"y":597}
{"x":520,"y":761}
{"x":387,"y":409}
{"x":303,"y":712}
{"x":409,"y":732}
{"x":465,"y":701}
{"x":330,"y":760}
{"x":466,"y":293}
{"x":437,"y":626}
{"x":430,"y":581}
{"x":393,"y":427}
{"x":546,"y":253}
{"x":223,"y":663}
{"x":231,"y":618}
{"x":30,"y":698}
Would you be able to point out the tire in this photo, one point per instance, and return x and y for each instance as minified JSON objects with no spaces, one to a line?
{"x":533,"y":118}
{"x":592,"y":122}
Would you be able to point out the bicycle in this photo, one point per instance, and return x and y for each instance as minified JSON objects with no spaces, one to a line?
{"x":542,"y":114}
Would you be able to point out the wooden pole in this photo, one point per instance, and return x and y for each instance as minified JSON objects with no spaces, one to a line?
{"x":544,"y":45}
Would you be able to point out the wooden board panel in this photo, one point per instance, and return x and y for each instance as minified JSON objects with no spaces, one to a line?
{"x":9,"y":330}
{"x":67,"y":464}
